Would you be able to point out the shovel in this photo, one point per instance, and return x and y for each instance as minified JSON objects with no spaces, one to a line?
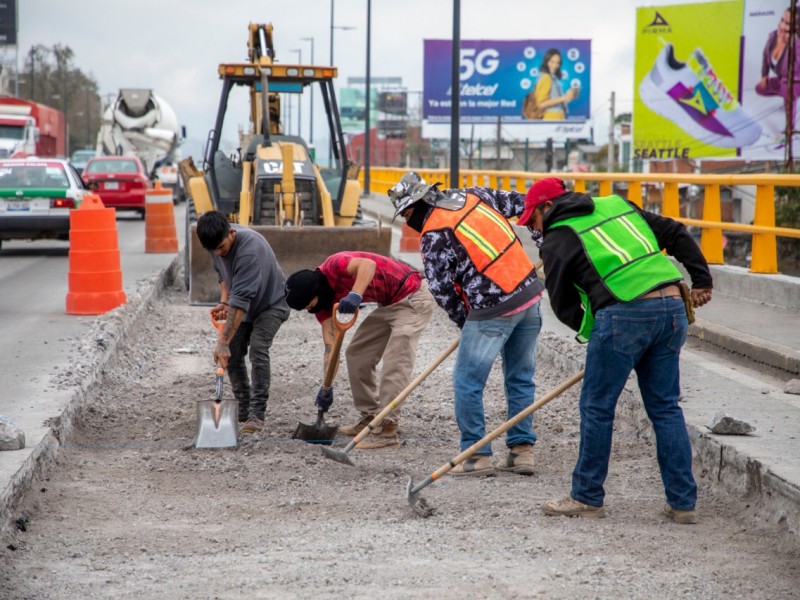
{"x":319,"y":432}
{"x":342,"y":455}
{"x":418,"y":504}
{"x":217,"y":420}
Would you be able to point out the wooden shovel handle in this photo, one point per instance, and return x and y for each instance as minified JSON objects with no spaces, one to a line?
{"x":333,"y":362}
{"x":389,"y":408}
{"x":445,"y":468}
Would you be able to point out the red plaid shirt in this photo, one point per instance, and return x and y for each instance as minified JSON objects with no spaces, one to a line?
{"x":393,"y":280}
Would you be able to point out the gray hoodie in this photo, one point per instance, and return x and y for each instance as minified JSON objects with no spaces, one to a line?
{"x":252,"y":274}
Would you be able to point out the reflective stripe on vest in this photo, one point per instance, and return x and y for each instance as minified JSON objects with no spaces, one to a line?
{"x":489,"y":240}
{"x":623,"y":250}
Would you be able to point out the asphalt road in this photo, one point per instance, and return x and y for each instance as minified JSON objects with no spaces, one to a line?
{"x":36,"y":330}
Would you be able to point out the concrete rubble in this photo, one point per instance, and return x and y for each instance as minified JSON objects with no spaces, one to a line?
{"x":724,"y":424}
{"x":11,"y":436}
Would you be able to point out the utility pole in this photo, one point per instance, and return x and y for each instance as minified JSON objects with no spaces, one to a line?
{"x":790,"y":99}
{"x":611,"y":143}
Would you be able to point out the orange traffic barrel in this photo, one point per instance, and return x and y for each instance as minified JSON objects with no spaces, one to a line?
{"x":95,"y":277}
{"x":160,"y":236}
{"x":409,"y":239}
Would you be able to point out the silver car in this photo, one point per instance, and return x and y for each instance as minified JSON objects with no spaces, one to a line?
{"x":36,"y":197}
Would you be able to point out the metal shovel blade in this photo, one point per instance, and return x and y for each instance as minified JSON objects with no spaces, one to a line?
{"x":338,"y":456}
{"x":217,"y":424}
{"x":318,"y":433}
{"x":417,"y":503}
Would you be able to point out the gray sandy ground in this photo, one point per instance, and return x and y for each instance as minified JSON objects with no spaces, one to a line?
{"x":131,"y":510}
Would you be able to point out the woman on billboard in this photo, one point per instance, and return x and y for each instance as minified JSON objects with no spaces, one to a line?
{"x":548,"y":101}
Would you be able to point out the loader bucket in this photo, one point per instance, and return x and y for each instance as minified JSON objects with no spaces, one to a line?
{"x":295,"y":248}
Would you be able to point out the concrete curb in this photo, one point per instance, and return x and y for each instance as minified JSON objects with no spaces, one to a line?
{"x":118,"y":324}
{"x":755,"y":348}
{"x":769,"y":498}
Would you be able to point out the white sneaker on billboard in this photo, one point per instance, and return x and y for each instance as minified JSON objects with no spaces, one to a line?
{"x":692,"y":96}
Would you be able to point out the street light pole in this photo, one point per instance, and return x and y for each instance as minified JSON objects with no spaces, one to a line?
{"x":343,"y":27}
{"x":311,"y":98}
{"x":455,"y":96}
{"x":300,"y":95}
{"x":88,"y":132}
{"x":367,"y":132}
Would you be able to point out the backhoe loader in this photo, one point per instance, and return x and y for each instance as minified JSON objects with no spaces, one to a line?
{"x":272,"y":183}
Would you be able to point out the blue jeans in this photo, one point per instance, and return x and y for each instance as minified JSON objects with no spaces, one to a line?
{"x":256,"y":337}
{"x":644,"y":336}
{"x":481,"y":342}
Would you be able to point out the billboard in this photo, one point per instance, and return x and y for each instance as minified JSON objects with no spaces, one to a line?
{"x":765,"y":70}
{"x":353,"y":108}
{"x":686,"y":83}
{"x":8,"y":22}
{"x":518,"y":81}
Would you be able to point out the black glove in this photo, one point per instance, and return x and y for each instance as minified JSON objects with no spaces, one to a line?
{"x":324,"y":398}
{"x":349,"y":304}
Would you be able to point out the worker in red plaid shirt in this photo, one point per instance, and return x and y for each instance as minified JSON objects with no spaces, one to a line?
{"x":389,"y":334}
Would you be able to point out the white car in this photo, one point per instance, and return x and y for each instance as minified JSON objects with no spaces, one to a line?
{"x":36,"y":197}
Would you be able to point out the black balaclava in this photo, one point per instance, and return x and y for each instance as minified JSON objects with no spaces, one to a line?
{"x":419,"y":215}
{"x":303,"y":286}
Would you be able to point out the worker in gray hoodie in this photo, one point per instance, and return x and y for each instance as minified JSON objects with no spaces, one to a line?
{"x":252,"y":305}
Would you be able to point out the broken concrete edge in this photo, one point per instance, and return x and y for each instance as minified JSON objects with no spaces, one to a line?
{"x":767,"y":497}
{"x":121,"y":320}
{"x":757,"y":349}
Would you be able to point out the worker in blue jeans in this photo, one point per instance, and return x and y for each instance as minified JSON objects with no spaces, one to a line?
{"x":514,"y":339}
{"x":480,"y":274}
{"x":608,"y":280}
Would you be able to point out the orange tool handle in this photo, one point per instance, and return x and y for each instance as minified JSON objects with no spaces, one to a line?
{"x":218,"y":324}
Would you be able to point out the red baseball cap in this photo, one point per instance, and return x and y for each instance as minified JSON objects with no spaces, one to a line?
{"x":540,"y":192}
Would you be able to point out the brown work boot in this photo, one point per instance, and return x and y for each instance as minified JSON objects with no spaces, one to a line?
{"x":477,"y":466}
{"x":383,"y":436}
{"x":567,"y":507}
{"x":252,"y":425}
{"x":681,"y":517}
{"x":519,"y":460}
{"x":354,"y":430}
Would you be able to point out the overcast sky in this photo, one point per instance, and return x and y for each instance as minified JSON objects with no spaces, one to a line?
{"x":174,"y":46}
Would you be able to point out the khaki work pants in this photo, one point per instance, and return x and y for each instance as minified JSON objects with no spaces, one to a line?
{"x":389,"y":334}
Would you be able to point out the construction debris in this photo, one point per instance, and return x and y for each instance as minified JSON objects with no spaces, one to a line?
{"x":724,"y":424}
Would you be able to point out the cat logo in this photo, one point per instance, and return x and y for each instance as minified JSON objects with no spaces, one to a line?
{"x":658,"y":25}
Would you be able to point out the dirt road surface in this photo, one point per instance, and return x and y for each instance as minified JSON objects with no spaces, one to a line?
{"x":131,"y":510}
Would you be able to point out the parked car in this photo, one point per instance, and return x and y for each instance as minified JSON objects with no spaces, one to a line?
{"x":120,"y":181}
{"x":79,"y":158}
{"x":36,"y":196}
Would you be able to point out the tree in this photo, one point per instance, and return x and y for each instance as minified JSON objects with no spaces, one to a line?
{"x":49,"y":76}
{"x":787,"y":214}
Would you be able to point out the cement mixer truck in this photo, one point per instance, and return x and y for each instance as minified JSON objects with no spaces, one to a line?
{"x":140,"y":123}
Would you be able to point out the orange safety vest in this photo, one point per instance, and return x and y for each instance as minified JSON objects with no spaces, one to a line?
{"x":489,"y":240}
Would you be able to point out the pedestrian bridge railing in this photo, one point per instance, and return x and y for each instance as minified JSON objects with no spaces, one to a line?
{"x":764,"y":254}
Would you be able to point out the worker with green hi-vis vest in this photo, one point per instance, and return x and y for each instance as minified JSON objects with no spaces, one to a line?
{"x":607,"y":278}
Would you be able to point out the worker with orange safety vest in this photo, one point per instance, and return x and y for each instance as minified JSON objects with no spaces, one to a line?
{"x":479,"y":273}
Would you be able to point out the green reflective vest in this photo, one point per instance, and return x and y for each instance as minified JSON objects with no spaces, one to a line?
{"x":623,"y":250}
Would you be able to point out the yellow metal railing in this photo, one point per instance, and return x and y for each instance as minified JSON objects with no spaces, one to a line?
{"x":764,"y":255}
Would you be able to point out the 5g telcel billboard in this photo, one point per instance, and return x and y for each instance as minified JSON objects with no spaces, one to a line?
{"x":496,"y":77}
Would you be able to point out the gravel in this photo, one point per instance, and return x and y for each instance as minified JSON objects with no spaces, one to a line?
{"x":131,"y":509}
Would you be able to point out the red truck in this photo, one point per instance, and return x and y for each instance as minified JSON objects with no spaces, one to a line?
{"x":30,"y":129}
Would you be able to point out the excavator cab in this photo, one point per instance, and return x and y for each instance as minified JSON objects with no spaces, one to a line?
{"x":272,"y":183}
